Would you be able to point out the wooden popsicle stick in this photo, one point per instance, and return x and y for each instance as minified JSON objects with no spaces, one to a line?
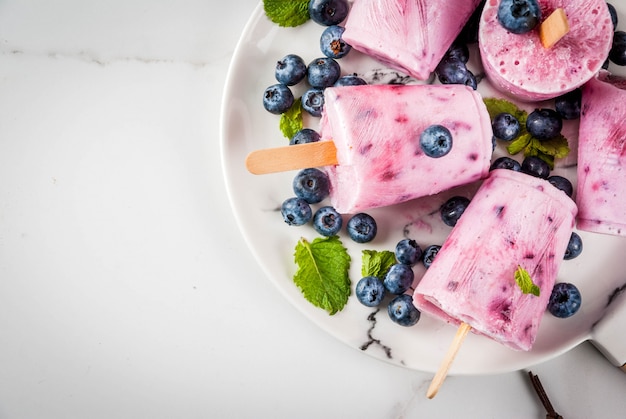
{"x":292,"y":157}
{"x":441,"y":374}
{"x":553,"y":28}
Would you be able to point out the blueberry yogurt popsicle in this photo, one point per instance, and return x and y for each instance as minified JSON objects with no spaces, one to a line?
{"x":399,"y":142}
{"x":514,"y":220}
{"x":601,"y":189}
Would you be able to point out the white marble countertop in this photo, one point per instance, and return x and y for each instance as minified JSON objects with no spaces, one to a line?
{"x":126,"y":289}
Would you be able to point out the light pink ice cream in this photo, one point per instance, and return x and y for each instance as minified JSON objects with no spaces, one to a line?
{"x":409,"y":35}
{"x":601,"y":190}
{"x":513,"y":220}
{"x":517,"y":64}
{"x":376,"y":130}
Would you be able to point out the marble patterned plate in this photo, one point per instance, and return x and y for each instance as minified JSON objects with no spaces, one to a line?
{"x":246,"y":126}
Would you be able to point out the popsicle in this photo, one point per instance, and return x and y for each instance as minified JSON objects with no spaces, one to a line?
{"x":411,"y":36}
{"x":522,"y":67}
{"x":601,"y":189}
{"x":514,"y":220}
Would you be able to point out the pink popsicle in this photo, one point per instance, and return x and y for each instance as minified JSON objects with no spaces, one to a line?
{"x":376,"y":130}
{"x":601,"y":190}
{"x":409,"y":35}
{"x":513,"y":220}
{"x":520,"y":66}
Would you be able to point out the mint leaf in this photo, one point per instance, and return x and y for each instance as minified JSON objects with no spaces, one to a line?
{"x":291,"y":120}
{"x":322,"y":273}
{"x":519,"y":144}
{"x":497,"y":106}
{"x":374,"y":263}
{"x":287,"y":13}
{"x":524,"y":281}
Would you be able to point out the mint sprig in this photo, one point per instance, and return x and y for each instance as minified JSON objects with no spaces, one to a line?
{"x":291,"y":120}
{"x":322,"y":273}
{"x":546,"y":150}
{"x":287,"y":13}
{"x":375,"y":263}
{"x":525,"y":282}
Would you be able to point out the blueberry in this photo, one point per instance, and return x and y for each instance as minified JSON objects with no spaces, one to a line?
{"x":408,"y":252}
{"x":562,"y":183}
{"x":574,"y":246}
{"x":277,"y":99}
{"x":402,"y":311}
{"x":362,"y":228}
{"x":451,"y":71}
{"x":290,"y":70}
{"x":323,"y":72}
{"x":613,"y":14}
{"x":327,"y":221}
{"x":535,"y":166}
{"x":399,"y":278}
{"x":350,"y":80}
{"x":544,"y":124}
{"x":617,"y":54}
{"x":305,"y":135}
{"x":519,"y":16}
{"x":565,"y":300}
{"x":313,"y":101}
{"x":436,"y":141}
{"x":312,"y":185}
{"x":296,"y":211}
{"x":370,"y":291}
{"x":506,"y":126}
{"x":568,"y":104}
{"x":458,"y":51}
{"x":452,"y":209}
{"x":332,"y":44}
{"x":328,"y":12}
{"x":429,"y":254}
{"x":505,"y":162}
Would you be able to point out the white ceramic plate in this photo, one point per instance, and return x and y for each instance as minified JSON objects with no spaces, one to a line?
{"x":246,"y":126}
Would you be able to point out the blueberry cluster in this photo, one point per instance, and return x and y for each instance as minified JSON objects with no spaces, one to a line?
{"x":617,"y":54}
{"x":452,"y":69}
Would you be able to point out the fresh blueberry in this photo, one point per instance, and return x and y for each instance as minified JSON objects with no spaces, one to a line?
{"x":290,"y":70}
{"x":327,"y":221}
{"x":370,"y":291}
{"x":506,"y":126}
{"x":313,"y":101}
{"x":562,"y":183}
{"x":296,"y":211}
{"x":312,"y":185}
{"x":323,"y":72}
{"x":535,"y":166}
{"x":362,"y":228}
{"x":452,"y":209}
{"x":399,"y":278}
{"x":568,"y":104}
{"x":277,"y":98}
{"x":305,"y":135}
{"x":505,"y":162}
{"x":436,"y":141}
{"x":613,"y":14}
{"x":519,"y":16}
{"x":451,"y":71}
{"x":350,"y":80}
{"x":328,"y":12}
{"x":574,"y":246}
{"x":617,"y":54}
{"x":402,"y":311}
{"x":544,"y":124}
{"x":565,"y":300}
{"x":458,"y":51}
{"x":332,"y":43}
{"x":429,"y":254}
{"x":408,"y":252}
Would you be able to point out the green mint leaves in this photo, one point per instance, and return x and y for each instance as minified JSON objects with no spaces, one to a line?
{"x":524,"y":281}
{"x":291,"y":120}
{"x":375,"y":263}
{"x":547,"y":150}
{"x":322,"y":273}
{"x":287,"y":13}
